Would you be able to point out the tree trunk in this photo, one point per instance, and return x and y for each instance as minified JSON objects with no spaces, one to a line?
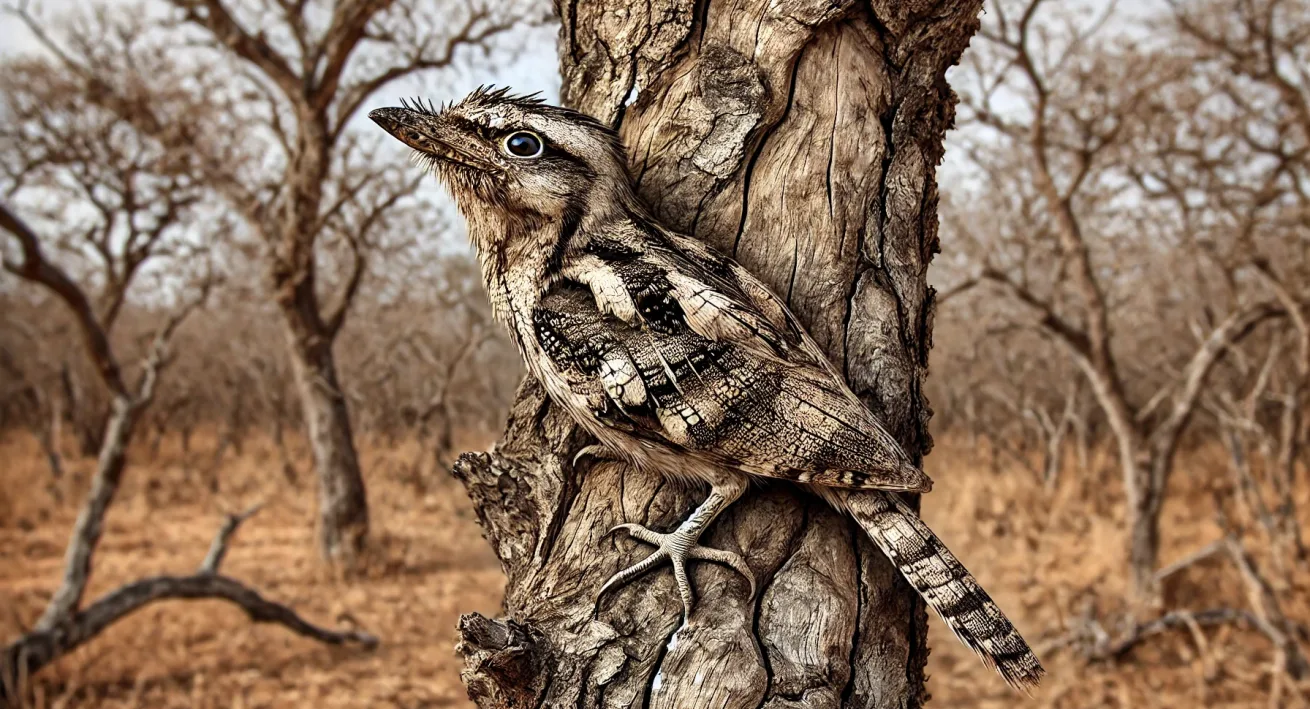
{"x":1144,"y":505}
{"x":803,"y":139}
{"x":90,"y":521}
{"x":342,"y":504}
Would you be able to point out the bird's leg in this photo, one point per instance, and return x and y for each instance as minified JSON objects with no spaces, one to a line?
{"x":680,"y":545}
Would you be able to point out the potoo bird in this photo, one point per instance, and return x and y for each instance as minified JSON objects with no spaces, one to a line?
{"x":672,"y":355}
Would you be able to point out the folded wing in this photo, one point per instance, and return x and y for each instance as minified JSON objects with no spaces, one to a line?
{"x":676,"y":355}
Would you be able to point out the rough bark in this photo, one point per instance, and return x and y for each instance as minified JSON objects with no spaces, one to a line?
{"x":803,"y":139}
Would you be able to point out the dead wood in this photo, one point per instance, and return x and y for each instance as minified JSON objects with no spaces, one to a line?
{"x":33,"y":651}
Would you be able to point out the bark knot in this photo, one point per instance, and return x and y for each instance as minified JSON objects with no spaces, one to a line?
{"x":503,"y":662}
{"x":732,"y":98}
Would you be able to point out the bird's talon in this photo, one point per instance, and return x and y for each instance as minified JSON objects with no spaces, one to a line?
{"x":678,"y":547}
{"x":596,"y":451}
{"x":633,"y":530}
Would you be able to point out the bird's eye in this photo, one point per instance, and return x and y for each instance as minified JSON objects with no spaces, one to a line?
{"x":523,"y":144}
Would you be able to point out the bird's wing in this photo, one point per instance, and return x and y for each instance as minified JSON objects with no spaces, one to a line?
{"x":686,"y":361}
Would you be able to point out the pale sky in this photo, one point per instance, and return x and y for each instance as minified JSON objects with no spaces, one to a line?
{"x":531,"y":66}
{"x":533,"y":69}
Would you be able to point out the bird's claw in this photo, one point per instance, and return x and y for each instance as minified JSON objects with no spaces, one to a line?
{"x":677,"y":547}
{"x":596,"y":451}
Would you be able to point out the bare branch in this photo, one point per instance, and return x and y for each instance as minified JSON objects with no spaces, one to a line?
{"x":158,"y":353}
{"x":477,"y":30}
{"x":36,"y":268}
{"x":35,"y":650}
{"x":349,"y":24}
{"x":213,"y":16}
{"x":218,"y":548}
{"x":956,"y":290}
{"x":1233,"y":329}
{"x":336,"y":313}
{"x":1075,"y":339}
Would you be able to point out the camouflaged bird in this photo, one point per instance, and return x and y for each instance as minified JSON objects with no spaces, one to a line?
{"x":674,"y":356}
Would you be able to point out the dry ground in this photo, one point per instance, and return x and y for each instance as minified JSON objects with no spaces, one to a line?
{"x":1046,"y":557}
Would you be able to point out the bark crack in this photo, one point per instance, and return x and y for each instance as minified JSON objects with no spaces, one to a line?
{"x":658,"y":666}
{"x":855,"y":532}
{"x":766,"y":134}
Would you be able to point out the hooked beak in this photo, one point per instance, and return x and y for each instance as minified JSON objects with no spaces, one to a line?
{"x":426,"y":134}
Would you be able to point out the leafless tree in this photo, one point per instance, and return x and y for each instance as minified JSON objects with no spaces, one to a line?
{"x":125,"y":199}
{"x":1253,"y":100}
{"x":1066,"y":117}
{"x":126,"y":204}
{"x":66,"y":623}
{"x":295,"y":75}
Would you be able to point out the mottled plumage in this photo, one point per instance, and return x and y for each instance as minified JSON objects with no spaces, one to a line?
{"x":673,"y":356}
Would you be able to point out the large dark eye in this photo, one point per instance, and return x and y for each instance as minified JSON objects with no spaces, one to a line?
{"x":523,"y":144}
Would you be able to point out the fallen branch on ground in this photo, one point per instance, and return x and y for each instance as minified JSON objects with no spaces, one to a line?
{"x":35,"y":650}
{"x":1289,"y":666}
{"x":1173,"y":620}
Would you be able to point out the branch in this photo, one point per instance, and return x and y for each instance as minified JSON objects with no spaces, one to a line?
{"x":1154,"y":402}
{"x":1265,"y":608}
{"x":466,"y":348}
{"x":336,"y":314}
{"x":1192,"y":559}
{"x":1071,"y":336}
{"x":1172,"y":620}
{"x":1295,"y":309}
{"x":218,"y":548}
{"x":35,"y":268}
{"x":253,"y":48}
{"x":158,"y":356}
{"x":349,"y":23}
{"x":957,"y":290}
{"x":1233,"y":329}
{"x":37,"y":649}
{"x":347,"y":195}
{"x":469,"y":35}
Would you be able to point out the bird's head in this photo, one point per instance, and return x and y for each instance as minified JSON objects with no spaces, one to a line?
{"x":513,"y":157}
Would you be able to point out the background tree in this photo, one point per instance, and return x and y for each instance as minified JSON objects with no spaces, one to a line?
{"x":128,"y":202}
{"x":281,"y":152}
{"x":1248,"y":152}
{"x":1060,"y":127}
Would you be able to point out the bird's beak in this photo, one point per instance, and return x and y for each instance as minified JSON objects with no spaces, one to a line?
{"x":429,"y":135}
{"x":394,"y":121}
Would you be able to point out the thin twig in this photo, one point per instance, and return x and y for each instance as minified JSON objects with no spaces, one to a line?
{"x":1195,"y":557}
{"x":218,"y":548}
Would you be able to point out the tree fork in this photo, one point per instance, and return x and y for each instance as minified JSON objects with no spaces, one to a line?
{"x":804,"y":142}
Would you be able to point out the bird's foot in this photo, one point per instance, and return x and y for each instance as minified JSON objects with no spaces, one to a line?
{"x":676,"y":547}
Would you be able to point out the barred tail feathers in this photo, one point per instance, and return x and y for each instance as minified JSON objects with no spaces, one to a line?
{"x":946,"y":585}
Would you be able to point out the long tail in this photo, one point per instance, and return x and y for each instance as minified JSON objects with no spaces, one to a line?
{"x":945,"y":585}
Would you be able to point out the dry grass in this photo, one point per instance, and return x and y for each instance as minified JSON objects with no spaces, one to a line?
{"x":1045,"y":558}
{"x":1049,"y":558}
{"x":430,"y":565}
